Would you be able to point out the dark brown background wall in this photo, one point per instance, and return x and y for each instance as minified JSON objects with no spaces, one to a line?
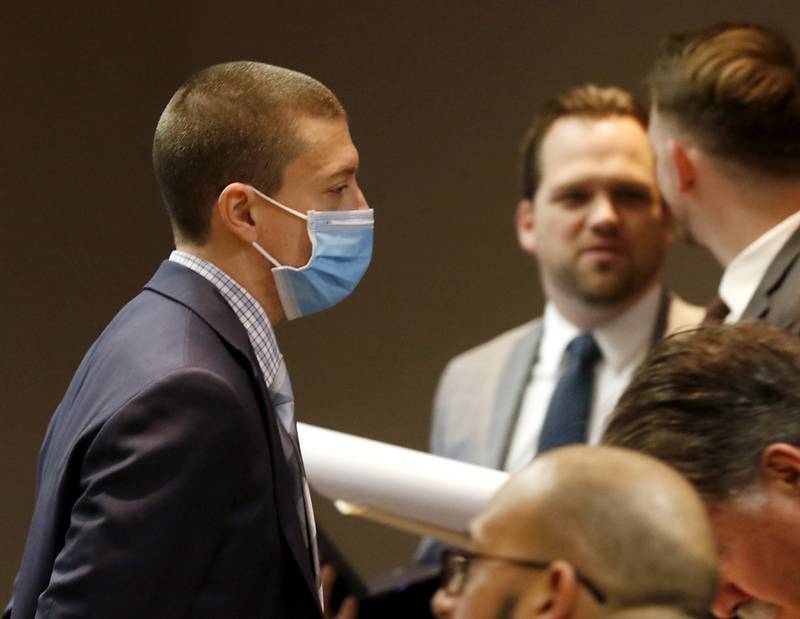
{"x":439,"y":94}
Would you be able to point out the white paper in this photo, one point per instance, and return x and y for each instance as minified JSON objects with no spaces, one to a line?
{"x":410,"y":484}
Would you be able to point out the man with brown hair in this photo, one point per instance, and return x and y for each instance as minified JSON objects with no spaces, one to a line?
{"x":725,"y":126}
{"x":591,"y":215}
{"x":170,"y":481}
{"x":584,"y":533}
{"x":721,"y":406}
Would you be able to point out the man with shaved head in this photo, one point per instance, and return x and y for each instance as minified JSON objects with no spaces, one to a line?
{"x":585,"y":532}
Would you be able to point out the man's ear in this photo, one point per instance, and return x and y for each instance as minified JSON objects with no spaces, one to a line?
{"x":234,"y":211}
{"x":780,"y":467}
{"x":668,"y":223}
{"x":525,"y":222}
{"x":555,"y":594}
{"x":682,"y":163}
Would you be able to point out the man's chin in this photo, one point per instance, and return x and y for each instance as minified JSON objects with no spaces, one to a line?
{"x":604,"y":299}
{"x":607,"y":290}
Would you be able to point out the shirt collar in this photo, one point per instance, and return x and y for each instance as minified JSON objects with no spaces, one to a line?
{"x":745,"y":272}
{"x":620,"y":339}
{"x":247,"y":309}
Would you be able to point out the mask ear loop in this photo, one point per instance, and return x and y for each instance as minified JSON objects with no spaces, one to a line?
{"x":291,"y":211}
{"x":264,"y":253}
{"x":279,"y":205}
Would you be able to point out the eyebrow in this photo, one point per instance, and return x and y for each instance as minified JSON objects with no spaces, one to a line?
{"x":343,"y":170}
{"x":346,"y":171}
{"x":613,"y":184}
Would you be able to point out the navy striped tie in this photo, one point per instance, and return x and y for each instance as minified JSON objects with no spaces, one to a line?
{"x":567,"y":418}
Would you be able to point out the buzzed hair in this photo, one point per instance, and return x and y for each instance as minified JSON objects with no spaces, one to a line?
{"x":709,"y":402}
{"x":641,"y":555}
{"x":587,"y":101}
{"x":736,"y":89}
{"x":231,"y":122}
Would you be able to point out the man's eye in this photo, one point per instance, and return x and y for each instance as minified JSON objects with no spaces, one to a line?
{"x":632,"y":197}
{"x":339,"y":189}
{"x":573,"y":198}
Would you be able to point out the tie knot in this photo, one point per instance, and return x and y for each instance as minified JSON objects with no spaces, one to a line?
{"x":584,"y":349}
{"x":716,"y":312}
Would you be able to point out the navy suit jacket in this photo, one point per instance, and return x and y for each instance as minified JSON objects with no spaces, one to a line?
{"x":777,"y":298}
{"x":166,"y":488}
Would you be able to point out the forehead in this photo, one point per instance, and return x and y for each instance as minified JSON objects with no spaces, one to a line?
{"x":504,"y":530}
{"x":577,"y":148}
{"x":326,"y":145}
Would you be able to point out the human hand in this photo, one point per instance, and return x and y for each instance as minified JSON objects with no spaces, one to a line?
{"x":349,"y":607}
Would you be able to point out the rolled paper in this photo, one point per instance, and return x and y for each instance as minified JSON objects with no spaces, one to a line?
{"x":409,"y":525}
{"x":404,"y":488}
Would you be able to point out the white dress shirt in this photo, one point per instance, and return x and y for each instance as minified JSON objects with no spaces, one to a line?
{"x":745,"y":272}
{"x":624,"y":342}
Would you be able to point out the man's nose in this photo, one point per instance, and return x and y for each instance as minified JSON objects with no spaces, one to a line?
{"x":361,"y":201}
{"x":728,"y":598}
{"x":603,"y":215}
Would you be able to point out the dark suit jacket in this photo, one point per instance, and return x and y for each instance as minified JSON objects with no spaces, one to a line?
{"x":777,"y":298}
{"x":164,"y":487}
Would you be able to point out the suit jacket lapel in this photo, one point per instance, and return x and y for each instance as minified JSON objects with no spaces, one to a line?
{"x":662,"y":317}
{"x":199,"y":295}
{"x":511,"y":383}
{"x":759,"y":304}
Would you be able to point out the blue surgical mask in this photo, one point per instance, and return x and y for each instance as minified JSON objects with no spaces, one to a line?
{"x":341,"y":249}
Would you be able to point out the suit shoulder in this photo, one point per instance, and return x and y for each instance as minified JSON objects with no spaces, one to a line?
{"x":483,"y":363}
{"x":784,"y":302}
{"x":150,"y":338}
{"x":497,"y":347}
{"x":465,"y":396}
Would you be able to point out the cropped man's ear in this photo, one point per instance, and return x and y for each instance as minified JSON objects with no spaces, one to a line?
{"x":669,"y":224}
{"x":780,"y":468}
{"x":524,"y":220}
{"x":682,"y":164}
{"x":554,"y":594}
{"x":234,"y":211}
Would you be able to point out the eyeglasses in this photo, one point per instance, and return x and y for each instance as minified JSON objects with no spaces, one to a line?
{"x":455,"y":571}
